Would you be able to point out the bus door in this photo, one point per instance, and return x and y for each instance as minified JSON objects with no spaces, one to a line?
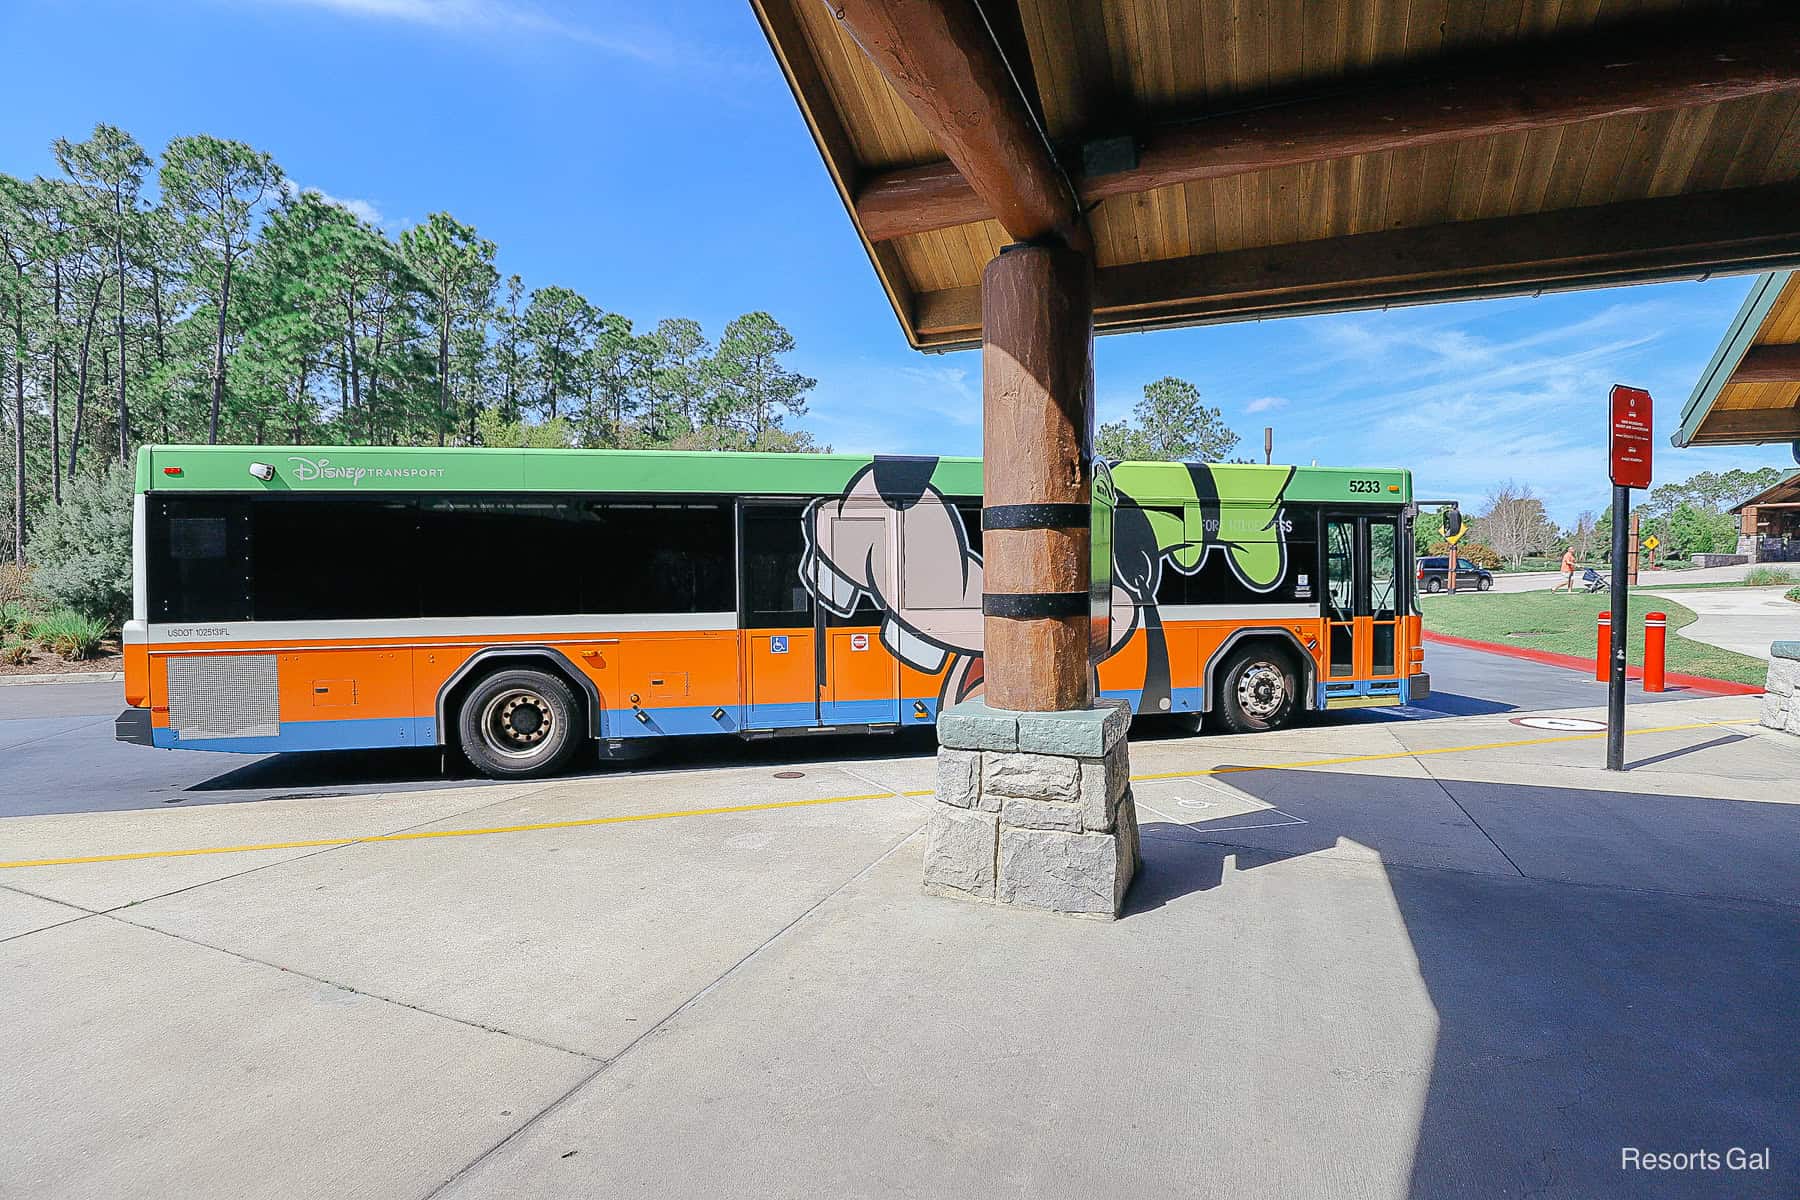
{"x":1361,"y":608}
{"x":861,"y":683}
{"x":782,"y":645}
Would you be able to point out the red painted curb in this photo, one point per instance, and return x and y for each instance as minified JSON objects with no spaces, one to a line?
{"x":1549,"y":658}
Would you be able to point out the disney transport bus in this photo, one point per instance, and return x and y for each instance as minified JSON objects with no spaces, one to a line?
{"x":516,"y":605}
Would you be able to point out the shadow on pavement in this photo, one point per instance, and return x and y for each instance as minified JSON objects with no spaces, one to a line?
{"x":437,"y":767}
{"x":1572,"y":1021}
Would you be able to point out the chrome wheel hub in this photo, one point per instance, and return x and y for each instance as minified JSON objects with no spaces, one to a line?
{"x":1261,"y":690}
{"x":517,"y":722}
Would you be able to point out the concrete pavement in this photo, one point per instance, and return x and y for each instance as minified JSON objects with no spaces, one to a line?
{"x":59,"y":753}
{"x":1742,"y":619}
{"x":1425,"y":958}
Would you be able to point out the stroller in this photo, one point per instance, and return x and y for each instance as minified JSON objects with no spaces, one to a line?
{"x":1594,"y":581}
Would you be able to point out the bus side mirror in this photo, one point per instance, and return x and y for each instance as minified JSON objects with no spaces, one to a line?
{"x":1453,"y":524}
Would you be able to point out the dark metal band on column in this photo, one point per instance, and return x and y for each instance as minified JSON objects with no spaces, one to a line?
{"x":1032,"y":606}
{"x":1036,"y":516}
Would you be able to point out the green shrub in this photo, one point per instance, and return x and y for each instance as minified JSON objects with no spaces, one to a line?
{"x":1473,"y":552}
{"x":1769,"y":577}
{"x":14,"y":618}
{"x":71,"y":635}
{"x":81,"y":550}
{"x":1793,"y":594}
{"x":14,"y":653}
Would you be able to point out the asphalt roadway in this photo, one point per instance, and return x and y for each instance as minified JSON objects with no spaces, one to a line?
{"x":57,"y":753}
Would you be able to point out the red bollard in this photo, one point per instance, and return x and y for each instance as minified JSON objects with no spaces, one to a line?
{"x":1656,"y":633}
{"x":1603,"y":650}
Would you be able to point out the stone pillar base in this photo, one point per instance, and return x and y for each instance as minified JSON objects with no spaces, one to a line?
{"x":1034,"y":808}
{"x":1781,"y":695}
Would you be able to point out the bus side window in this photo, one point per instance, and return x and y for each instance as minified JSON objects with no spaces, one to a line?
{"x":197,"y":551}
{"x":643,"y":557}
{"x":318,"y":558}
{"x":482,"y":556}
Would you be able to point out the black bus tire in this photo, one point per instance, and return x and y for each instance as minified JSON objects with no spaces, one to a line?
{"x":1258,"y":689}
{"x":519,"y":724}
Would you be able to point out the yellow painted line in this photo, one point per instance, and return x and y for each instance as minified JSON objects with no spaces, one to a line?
{"x":1358,"y":758}
{"x":423,"y":834}
{"x":770,"y":806}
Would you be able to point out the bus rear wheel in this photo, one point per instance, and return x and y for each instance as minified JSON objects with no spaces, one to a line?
{"x":518,"y":724}
{"x":1258,"y":690}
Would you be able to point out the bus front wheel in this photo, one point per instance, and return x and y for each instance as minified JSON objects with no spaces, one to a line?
{"x":518,"y":724}
{"x":1258,"y":690}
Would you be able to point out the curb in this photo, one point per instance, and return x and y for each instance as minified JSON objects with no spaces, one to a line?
{"x":1549,"y":658}
{"x":64,"y":677}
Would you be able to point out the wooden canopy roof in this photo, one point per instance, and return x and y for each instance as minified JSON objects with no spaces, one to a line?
{"x":1246,"y":158}
{"x":1750,"y":391}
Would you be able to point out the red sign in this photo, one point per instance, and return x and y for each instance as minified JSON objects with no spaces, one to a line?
{"x":1630,"y":444}
{"x":859,"y":641}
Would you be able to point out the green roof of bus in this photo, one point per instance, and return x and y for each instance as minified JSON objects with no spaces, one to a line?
{"x":690,"y":472}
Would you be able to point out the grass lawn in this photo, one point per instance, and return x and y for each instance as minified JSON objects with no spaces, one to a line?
{"x":1565,"y":624}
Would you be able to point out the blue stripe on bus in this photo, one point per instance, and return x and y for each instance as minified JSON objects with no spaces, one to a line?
{"x":372,"y":733}
{"x":675,"y":720}
{"x":1181,"y":699}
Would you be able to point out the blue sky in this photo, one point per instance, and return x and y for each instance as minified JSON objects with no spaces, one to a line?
{"x":651,"y":157}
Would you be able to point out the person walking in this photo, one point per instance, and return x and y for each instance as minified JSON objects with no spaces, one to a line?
{"x":1568,"y":572}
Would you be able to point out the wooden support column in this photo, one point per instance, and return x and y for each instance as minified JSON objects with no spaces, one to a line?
{"x":1037,"y":383}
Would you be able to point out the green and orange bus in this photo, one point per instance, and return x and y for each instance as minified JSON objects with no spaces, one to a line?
{"x":517,"y":605}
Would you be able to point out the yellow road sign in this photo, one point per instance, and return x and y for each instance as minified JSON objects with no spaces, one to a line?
{"x":1650,"y":543}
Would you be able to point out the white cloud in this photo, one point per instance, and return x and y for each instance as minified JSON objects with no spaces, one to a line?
{"x":364,"y":210}
{"x":1265,"y":404}
{"x":864,"y":407}
{"x":489,"y":17}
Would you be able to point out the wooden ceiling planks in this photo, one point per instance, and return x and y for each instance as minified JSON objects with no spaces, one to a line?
{"x":1103,"y":65}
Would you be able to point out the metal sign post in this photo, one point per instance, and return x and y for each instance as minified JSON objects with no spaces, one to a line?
{"x":1629,"y":454}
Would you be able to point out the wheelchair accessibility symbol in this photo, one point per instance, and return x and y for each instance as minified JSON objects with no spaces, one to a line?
{"x":778,"y":644}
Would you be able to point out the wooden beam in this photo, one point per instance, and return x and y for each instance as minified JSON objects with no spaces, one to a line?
{"x":1680,"y":67}
{"x":942,"y":59}
{"x":1037,"y":388}
{"x":1768,"y":364}
{"x":1637,"y":241}
{"x":1739,"y":426}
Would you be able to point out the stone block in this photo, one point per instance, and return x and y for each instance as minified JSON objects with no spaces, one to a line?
{"x":972,"y":725}
{"x":1084,"y":873}
{"x":1103,"y":781}
{"x":1128,"y":833}
{"x":1774,"y":710}
{"x":1031,"y":776}
{"x":959,"y":778}
{"x":1784,"y":676}
{"x":1793,"y":715}
{"x":1083,"y":733}
{"x":960,"y":850}
{"x":1785,"y":649}
{"x":1040,"y":814}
